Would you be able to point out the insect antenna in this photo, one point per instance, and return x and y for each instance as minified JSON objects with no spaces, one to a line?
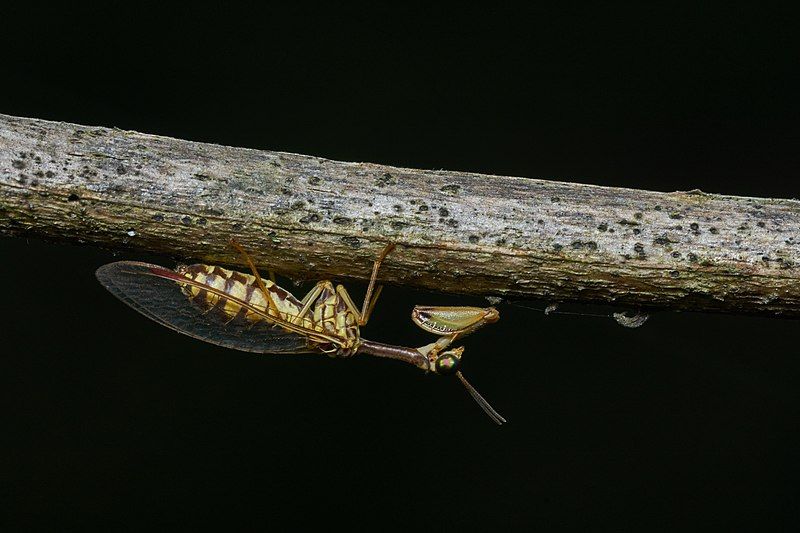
{"x":494,"y":415}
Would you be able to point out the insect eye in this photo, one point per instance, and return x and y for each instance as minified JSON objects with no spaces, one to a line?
{"x":447,"y":363}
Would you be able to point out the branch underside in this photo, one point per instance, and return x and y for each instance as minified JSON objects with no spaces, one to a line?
{"x":312,"y":218}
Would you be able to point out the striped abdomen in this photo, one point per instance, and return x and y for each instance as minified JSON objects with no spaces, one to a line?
{"x":244,"y":288}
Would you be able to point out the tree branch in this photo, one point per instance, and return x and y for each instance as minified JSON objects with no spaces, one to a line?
{"x":309,"y":217}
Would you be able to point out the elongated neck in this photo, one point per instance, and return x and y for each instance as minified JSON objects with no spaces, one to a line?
{"x":390,"y":351}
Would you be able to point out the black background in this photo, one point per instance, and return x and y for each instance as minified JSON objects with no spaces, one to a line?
{"x":692,"y":420}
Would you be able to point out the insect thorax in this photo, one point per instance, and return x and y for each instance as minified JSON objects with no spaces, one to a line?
{"x":332,"y":315}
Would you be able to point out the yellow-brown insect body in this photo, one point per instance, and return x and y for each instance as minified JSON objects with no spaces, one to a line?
{"x":328,"y":314}
{"x":245,"y":312}
{"x":333,"y":316}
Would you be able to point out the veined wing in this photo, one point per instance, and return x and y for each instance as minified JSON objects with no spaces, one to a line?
{"x":158,"y":293}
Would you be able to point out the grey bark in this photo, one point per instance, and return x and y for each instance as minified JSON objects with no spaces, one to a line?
{"x":461,"y":232}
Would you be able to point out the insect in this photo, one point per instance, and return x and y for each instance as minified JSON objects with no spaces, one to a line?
{"x":246,"y":312}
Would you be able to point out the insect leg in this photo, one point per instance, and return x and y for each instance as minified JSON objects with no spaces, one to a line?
{"x":310,"y":298}
{"x":259,"y":281}
{"x":369,"y":300}
{"x":348,"y":301}
{"x":360,"y":317}
{"x":372,"y":303}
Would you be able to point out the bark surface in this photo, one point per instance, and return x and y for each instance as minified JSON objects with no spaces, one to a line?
{"x":312,"y":218}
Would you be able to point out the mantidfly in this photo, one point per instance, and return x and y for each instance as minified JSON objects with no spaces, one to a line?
{"x":248,"y":313}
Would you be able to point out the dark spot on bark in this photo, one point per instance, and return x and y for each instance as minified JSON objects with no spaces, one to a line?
{"x":39,"y":174}
{"x":186,"y":220}
{"x":695,"y":228}
{"x":674,"y":273}
{"x":352,"y":242}
{"x":557,"y":247}
{"x":611,"y":230}
{"x":397,"y":207}
{"x":313,"y":180}
{"x":766,"y":259}
{"x":422,"y":208}
{"x":49,"y":174}
{"x":540,"y":222}
{"x":86,"y":172}
{"x":451,"y":189}
{"x":158,"y":217}
{"x":676,"y":255}
{"x":692,"y":257}
{"x":500,"y":242}
{"x":555,"y":199}
{"x":453,"y":223}
{"x":760,"y":224}
{"x":676,"y":216}
{"x":385,"y":179}
{"x":121,"y":170}
{"x":474,"y":239}
{"x":636,"y":231}
{"x":342,"y":220}
{"x":713,"y":230}
{"x":639,"y":249}
{"x":603,"y":227}
{"x":663,"y":240}
{"x":19,"y":165}
{"x":73,"y":197}
{"x":443,"y":212}
{"x":580,"y":245}
{"x":398,"y":225}
{"x":625,"y":222}
{"x":201,"y":221}
{"x":637,"y":216}
{"x":200,"y":176}
{"x":758,"y":206}
{"x":657,"y":208}
{"x":313,"y":217}
{"x":284,"y":191}
{"x":299,"y":204}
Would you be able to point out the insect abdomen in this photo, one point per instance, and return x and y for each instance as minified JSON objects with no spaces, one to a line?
{"x":241,"y":287}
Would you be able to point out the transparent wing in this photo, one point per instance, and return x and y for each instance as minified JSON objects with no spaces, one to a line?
{"x":156,"y":292}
